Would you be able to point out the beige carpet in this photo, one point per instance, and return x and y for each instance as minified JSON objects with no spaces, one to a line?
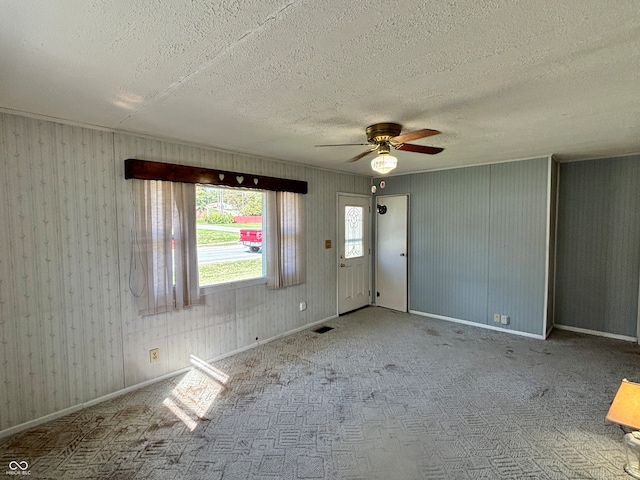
{"x":383,"y":395}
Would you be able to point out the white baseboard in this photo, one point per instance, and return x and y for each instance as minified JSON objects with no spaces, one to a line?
{"x":596,"y":333}
{"x":61,"y":413}
{"x":479,"y":325}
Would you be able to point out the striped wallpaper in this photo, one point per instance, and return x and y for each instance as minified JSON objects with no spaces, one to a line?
{"x":598,"y":266}
{"x":479,"y":242}
{"x":69,"y":331}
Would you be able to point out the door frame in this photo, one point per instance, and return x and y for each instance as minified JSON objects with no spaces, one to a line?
{"x":368,"y":234}
{"x":408,"y":246}
{"x":638,"y":324}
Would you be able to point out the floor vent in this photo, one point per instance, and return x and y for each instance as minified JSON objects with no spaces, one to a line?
{"x":324,"y":329}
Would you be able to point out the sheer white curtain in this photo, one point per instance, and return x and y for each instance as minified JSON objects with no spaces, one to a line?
{"x":164,"y":251}
{"x":286,"y":240}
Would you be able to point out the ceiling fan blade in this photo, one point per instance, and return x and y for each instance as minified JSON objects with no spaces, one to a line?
{"x":407,"y":137}
{"x":362,"y":155}
{"x":409,"y":147}
{"x":341,"y":144}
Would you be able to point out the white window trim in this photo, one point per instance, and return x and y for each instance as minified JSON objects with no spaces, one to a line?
{"x":233,"y":285}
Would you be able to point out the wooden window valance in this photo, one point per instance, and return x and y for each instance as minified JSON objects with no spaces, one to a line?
{"x":148,"y":170}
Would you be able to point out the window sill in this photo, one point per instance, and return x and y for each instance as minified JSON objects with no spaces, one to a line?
{"x":223,"y":287}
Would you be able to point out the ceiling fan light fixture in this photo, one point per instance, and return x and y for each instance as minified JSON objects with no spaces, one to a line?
{"x":384,"y":163}
{"x":382,"y":137}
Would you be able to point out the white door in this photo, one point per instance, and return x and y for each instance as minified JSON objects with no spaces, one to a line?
{"x":354,"y":255}
{"x":392,"y":251}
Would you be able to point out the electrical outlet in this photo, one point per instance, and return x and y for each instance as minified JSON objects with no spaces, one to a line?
{"x":303,"y":306}
{"x":504,"y":319}
{"x":496,"y":317}
{"x":154,"y":355}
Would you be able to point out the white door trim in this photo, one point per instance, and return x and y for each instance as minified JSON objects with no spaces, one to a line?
{"x":638,"y":325}
{"x":337,"y":245}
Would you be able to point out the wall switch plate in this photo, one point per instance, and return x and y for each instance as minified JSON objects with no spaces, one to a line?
{"x":303,"y":306}
{"x":154,"y":355}
{"x":496,"y":317}
{"x":504,"y":319}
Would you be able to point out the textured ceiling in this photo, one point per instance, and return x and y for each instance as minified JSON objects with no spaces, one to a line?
{"x":500,"y":79}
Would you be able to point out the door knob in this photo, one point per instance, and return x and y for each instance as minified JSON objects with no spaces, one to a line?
{"x":342,"y":265}
{"x":402,"y":255}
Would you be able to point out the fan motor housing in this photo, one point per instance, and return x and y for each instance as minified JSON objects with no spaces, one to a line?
{"x":383,"y":132}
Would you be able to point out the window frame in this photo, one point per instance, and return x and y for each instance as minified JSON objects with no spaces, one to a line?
{"x":171,"y":172}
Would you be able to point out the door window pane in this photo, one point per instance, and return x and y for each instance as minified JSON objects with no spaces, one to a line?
{"x":353,"y":246}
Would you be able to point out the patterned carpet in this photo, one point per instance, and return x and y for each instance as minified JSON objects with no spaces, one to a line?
{"x":383,"y":395}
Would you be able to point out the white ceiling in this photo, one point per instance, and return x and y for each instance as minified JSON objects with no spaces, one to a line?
{"x":500,"y":79}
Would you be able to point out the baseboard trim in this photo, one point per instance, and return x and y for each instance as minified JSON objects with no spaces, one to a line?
{"x":597,"y":333}
{"x":479,"y":325}
{"x":67,"y":411}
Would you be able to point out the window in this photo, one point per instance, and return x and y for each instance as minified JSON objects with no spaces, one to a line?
{"x":353,"y":235}
{"x":179,"y":229}
{"x":229,"y":234}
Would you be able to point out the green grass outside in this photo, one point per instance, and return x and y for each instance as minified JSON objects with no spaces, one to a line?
{"x":233,"y":225}
{"x":216,"y":237}
{"x":246,"y":225}
{"x":219,"y":272}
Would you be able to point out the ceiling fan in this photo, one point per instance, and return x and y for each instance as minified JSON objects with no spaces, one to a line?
{"x":383,"y":136}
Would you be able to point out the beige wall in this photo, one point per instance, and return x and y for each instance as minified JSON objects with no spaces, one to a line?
{"x":69,"y":331}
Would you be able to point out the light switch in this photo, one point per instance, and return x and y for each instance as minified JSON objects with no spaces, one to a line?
{"x":327,"y":244}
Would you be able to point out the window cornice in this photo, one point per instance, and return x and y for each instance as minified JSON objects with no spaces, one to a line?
{"x":170,"y":172}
